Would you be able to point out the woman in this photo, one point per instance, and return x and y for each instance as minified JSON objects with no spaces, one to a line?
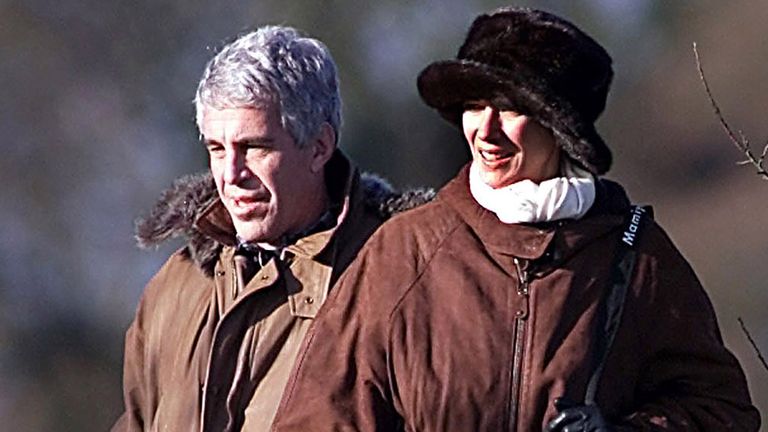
{"x":482,"y":310}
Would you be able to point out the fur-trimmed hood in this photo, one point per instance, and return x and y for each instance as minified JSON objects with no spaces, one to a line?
{"x":175,"y":213}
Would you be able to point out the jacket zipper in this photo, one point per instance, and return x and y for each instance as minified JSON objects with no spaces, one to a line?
{"x":518,"y":345}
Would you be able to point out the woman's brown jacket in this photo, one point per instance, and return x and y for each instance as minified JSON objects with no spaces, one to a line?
{"x":450,"y":320}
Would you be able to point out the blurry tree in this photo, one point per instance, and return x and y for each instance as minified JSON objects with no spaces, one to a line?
{"x":738,"y":138}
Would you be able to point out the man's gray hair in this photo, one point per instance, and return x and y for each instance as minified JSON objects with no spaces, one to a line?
{"x":275,"y":64}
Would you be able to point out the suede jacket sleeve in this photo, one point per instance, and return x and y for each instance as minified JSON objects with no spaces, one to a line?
{"x":688,"y":380}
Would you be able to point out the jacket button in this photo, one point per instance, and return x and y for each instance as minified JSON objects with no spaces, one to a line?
{"x":264,"y":277}
{"x":309,"y":300}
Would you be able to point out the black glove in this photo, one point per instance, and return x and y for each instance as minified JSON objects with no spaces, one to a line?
{"x":578,"y":418}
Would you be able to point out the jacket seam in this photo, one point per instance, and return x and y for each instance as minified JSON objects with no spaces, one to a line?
{"x":420,"y":273}
{"x":390,"y":317}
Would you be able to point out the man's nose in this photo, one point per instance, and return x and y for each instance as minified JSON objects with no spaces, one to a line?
{"x":234,"y":167}
{"x":489,"y":123}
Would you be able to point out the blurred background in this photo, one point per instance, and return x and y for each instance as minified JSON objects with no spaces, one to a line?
{"x":97,"y":118}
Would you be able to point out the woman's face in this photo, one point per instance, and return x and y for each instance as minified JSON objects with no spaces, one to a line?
{"x":508,"y":147}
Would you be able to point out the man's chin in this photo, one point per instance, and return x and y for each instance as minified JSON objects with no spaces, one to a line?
{"x":252,"y":232}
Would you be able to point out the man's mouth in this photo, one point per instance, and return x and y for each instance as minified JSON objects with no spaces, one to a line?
{"x":247,"y":204}
{"x":248,"y":200}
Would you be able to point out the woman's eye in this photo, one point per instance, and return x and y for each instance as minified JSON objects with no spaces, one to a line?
{"x":474,"y":106}
{"x":509,"y":114}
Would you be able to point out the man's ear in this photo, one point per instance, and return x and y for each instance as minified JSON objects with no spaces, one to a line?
{"x":323,"y":146}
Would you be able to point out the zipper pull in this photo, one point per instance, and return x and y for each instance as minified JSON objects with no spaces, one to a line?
{"x":522,"y":289}
{"x":522,"y":278}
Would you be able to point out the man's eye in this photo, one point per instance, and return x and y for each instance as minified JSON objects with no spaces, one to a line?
{"x":215,"y":149}
{"x":255,"y":147}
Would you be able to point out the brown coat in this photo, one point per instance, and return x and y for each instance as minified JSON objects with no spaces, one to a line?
{"x":194,"y":362}
{"x":450,"y":320}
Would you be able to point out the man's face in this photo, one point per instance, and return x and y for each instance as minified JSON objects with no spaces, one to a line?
{"x":269,"y":185}
{"x":508,"y":147}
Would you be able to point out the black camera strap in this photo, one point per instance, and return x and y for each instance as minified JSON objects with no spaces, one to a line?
{"x":612,"y":306}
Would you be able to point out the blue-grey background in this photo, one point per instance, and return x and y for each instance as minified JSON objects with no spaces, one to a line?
{"x":96,"y":119}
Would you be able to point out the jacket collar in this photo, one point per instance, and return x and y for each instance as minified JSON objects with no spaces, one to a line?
{"x":555,"y":241}
{"x":189,"y":209}
{"x":526,"y":241}
{"x":216,"y":223}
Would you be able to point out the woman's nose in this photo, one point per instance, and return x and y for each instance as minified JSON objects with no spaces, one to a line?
{"x":489,"y":120}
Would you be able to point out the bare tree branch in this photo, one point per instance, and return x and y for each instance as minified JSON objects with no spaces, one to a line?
{"x":754,"y":345}
{"x":741,"y":143}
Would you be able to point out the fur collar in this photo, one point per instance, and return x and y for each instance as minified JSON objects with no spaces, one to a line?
{"x":175,"y":213}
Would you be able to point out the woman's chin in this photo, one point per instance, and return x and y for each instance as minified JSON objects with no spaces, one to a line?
{"x":497,"y":181}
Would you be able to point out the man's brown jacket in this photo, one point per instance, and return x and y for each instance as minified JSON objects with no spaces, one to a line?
{"x":197,"y":361}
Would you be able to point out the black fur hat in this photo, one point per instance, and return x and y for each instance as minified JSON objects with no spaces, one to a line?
{"x":534,"y":63}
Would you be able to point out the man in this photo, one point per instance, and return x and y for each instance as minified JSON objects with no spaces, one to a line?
{"x":499,"y":306}
{"x":281,"y":214}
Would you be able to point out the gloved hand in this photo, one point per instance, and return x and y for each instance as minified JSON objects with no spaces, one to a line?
{"x":574,"y":417}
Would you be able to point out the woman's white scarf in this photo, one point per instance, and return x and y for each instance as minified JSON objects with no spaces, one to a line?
{"x":566,"y":197}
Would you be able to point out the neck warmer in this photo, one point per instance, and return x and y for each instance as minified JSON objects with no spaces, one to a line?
{"x":566,"y":197}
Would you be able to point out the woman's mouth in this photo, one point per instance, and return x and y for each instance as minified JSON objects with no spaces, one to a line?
{"x":495,"y":156}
